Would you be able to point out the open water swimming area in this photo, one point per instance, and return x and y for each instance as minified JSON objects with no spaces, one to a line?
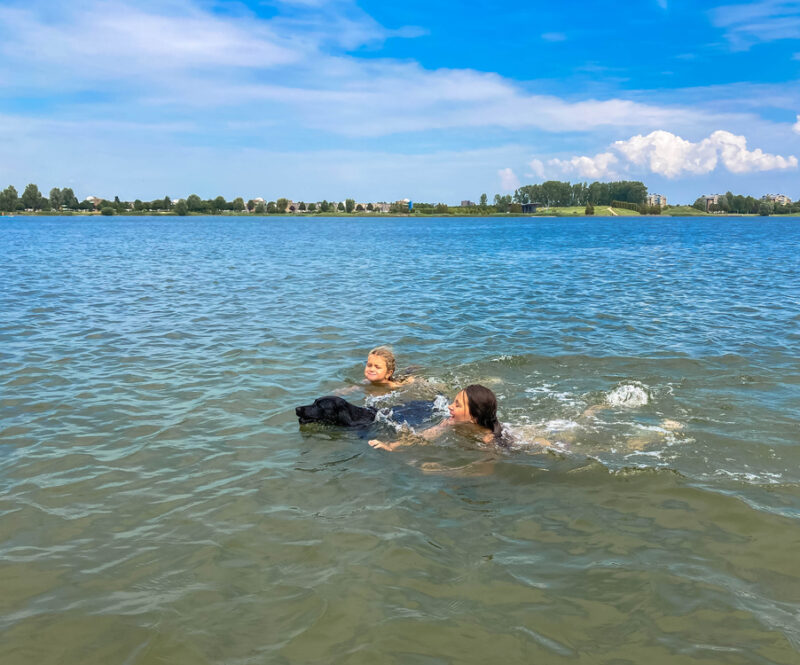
{"x":160,"y":503}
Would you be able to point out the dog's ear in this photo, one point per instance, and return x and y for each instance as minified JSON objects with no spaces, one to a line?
{"x":345,"y":417}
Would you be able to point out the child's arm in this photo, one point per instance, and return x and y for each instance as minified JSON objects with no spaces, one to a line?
{"x":407,"y":438}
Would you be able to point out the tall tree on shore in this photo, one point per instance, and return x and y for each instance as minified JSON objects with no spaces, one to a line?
{"x":484,"y":200}
{"x":237,"y":204}
{"x":68,"y":199}
{"x":349,"y":205}
{"x":194,"y":203}
{"x":9,"y":199}
{"x":56,"y":200}
{"x":281,"y":205}
{"x":31,"y":198}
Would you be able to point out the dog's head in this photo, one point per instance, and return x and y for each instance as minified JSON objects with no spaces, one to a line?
{"x":335,"y":411}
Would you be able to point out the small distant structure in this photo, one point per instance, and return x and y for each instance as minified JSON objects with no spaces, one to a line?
{"x":528,"y":208}
{"x":468,"y":204}
{"x":711,"y":199}
{"x":657,"y":200}
{"x":779,"y":199}
{"x":291,"y":206}
{"x":382,"y":206}
{"x":94,"y":200}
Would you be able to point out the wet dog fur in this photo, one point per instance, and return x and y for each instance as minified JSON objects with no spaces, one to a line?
{"x":333,"y":410}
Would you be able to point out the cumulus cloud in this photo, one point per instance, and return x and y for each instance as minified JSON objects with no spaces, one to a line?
{"x":666,"y":154}
{"x":588,"y":167}
{"x":796,"y":126}
{"x":537,"y":168}
{"x":508,"y":180}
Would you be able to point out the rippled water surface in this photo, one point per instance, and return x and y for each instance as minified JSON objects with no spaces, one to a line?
{"x":160,"y":504}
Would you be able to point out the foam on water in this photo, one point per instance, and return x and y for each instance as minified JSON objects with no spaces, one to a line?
{"x":629,"y":396}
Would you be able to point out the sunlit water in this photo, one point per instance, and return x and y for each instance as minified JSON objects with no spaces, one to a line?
{"x":160,"y":504}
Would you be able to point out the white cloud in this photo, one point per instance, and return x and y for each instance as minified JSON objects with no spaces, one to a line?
{"x":537,"y":168}
{"x":508,"y":180}
{"x":179,"y":57}
{"x":796,"y":126}
{"x":750,"y":23}
{"x":598,"y":166}
{"x":666,"y":154}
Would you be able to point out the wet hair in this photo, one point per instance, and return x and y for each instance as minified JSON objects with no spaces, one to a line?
{"x":482,"y":404}
{"x":386,"y":353}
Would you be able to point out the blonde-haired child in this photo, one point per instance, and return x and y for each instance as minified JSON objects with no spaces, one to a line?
{"x":380,"y":368}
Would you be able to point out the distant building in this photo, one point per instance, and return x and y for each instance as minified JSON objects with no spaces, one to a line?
{"x":382,"y":206}
{"x":530,"y":207}
{"x":657,"y":200}
{"x":468,"y":204}
{"x":780,"y":199}
{"x":94,"y":200}
{"x":711,"y":199}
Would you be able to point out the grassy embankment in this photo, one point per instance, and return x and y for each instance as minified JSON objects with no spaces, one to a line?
{"x":684,"y":211}
{"x":580,"y":211}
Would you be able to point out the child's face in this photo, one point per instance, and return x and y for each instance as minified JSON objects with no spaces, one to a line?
{"x":459,"y":409}
{"x":376,"y":370}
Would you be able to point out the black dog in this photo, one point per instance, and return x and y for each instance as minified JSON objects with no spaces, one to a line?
{"x":335,"y":411}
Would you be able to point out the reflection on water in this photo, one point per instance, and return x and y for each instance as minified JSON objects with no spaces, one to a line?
{"x":159,"y":503}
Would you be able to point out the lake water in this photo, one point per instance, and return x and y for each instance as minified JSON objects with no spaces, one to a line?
{"x":160,"y":504}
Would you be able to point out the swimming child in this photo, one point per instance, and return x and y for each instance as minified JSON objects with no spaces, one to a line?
{"x":380,"y":369}
{"x":474,"y":411}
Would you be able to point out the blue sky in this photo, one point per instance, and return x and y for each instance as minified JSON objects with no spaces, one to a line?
{"x":433,"y":101}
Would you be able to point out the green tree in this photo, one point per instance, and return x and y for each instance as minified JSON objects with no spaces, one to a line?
{"x":251,"y":205}
{"x":359,"y":208}
{"x":484,"y":200}
{"x":340,"y":207}
{"x":9,"y":199}
{"x":700,"y":203}
{"x":502,"y":203}
{"x":107,"y":210}
{"x":138,"y":205}
{"x":68,"y":199}
{"x":55,"y":198}
{"x":281,"y":205}
{"x":312,"y":207}
{"x":589,"y":209}
{"x":442,"y":209}
{"x":195,"y":203}
{"x":370,"y":207}
{"x":271,"y":208}
{"x":31,"y":198}
{"x":301,"y":206}
{"x":262,"y":209}
{"x":324,"y":206}
{"x":237,"y":204}
{"x":349,"y":205}
{"x":219,"y":204}
{"x":181,"y":208}
{"x":764,"y":209}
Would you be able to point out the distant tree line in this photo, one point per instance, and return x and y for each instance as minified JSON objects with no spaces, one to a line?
{"x":32,"y":199}
{"x":553,"y":193}
{"x":557,"y":193}
{"x":747,"y":205}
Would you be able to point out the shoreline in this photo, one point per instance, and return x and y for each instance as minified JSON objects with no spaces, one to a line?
{"x":612,"y":214}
